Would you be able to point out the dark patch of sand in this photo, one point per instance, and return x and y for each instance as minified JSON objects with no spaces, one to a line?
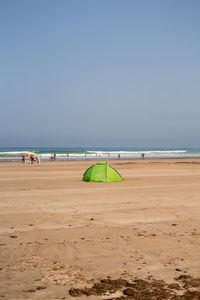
{"x":140,"y":289}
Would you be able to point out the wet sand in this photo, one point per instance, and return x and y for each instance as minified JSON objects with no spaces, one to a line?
{"x":58,"y":234}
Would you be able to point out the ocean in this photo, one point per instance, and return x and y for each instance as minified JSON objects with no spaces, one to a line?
{"x":15,"y":154}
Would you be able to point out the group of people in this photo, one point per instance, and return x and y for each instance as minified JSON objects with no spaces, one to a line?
{"x":30,"y":159}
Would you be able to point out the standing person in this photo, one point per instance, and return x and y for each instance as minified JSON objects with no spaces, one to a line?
{"x":142,"y":155}
{"x":32,"y":159}
{"x":54,"y":156}
{"x":23,"y":157}
{"x":38,"y":159}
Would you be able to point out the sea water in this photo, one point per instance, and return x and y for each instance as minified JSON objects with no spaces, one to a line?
{"x":15,"y":154}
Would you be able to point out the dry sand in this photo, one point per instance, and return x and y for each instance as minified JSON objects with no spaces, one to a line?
{"x":58,"y":233}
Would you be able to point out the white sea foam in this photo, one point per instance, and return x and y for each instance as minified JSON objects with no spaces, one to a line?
{"x":13,"y":152}
{"x":139,"y":152}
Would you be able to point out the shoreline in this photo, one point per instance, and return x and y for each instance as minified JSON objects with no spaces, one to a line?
{"x":72,"y":154}
{"x":107,"y":158}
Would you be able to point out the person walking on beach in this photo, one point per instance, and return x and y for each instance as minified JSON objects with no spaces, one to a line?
{"x":38,"y":160}
{"x":23,"y":158}
{"x":142,"y":155}
{"x":54,"y":156}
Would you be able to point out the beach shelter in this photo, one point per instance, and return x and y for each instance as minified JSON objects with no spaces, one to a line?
{"x":101,"y":172}
{"x":30,"y":153}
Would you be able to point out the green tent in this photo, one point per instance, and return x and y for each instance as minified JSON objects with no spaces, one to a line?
{"x":101,"y":172}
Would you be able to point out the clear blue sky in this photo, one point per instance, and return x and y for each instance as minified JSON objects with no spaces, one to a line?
{"x":100,"y":73}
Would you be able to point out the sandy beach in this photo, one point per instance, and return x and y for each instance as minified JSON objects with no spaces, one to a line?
{"x":60,"y":236}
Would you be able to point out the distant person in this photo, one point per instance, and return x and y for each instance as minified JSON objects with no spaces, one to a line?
{"x":54,"y":156}
{"x":38,"y":160}
{"x":23,"y":158}
{"x":32,"y":159}
{"x":142,"y":155}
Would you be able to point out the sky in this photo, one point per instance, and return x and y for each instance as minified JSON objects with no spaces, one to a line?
{"x":100,"y":73}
